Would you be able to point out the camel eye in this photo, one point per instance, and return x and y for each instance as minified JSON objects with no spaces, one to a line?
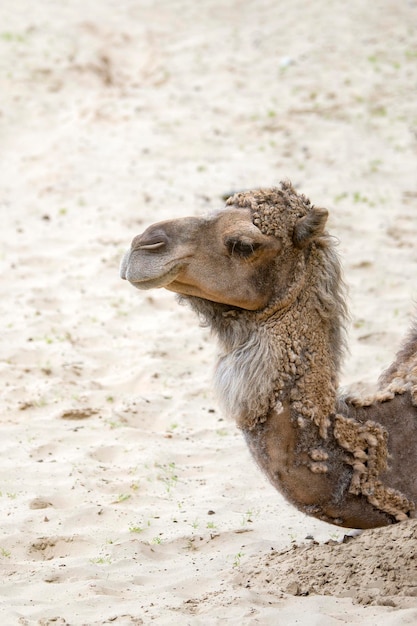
{"x":241,"y":248}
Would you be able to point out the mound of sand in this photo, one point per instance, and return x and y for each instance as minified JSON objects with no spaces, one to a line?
{"x":377,"y":567}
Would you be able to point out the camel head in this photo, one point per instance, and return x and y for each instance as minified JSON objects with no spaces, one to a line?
{"x":243,"y":255}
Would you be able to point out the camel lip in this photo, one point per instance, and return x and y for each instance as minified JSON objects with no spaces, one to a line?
{"x":123,"y":265}
{"x":137,"y":275}
{"x":154,"y":283}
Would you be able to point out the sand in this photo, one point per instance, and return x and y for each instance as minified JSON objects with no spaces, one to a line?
{"x":126,"y":496}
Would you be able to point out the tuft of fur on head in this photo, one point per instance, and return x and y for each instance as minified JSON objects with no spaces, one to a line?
{"x":276,"y":210}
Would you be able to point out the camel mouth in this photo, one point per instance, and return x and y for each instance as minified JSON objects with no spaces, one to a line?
{"x":155,"y":283}
{"x":143,"y":277}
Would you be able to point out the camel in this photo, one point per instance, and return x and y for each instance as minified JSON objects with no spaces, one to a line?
{"x":263,"y":273}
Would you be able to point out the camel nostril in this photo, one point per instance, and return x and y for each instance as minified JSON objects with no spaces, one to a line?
{"x":152,"y":246}
{"x":149,"y":241}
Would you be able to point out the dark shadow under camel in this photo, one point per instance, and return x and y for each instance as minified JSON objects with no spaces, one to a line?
{"x":264,"y":275}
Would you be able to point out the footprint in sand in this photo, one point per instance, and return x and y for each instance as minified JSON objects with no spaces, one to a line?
{"x":48,"y":548}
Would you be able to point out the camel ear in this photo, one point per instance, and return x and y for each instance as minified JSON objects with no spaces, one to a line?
{"x":309,"y":227}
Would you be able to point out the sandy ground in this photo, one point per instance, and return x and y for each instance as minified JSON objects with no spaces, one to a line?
{"x":126,"y":497}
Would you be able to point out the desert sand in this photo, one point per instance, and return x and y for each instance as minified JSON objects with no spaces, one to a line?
{"x":126,"y":496}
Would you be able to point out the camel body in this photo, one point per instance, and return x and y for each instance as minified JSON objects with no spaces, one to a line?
{"x":264,"y":275}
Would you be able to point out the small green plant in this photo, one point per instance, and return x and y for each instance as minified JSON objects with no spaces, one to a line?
{"x":357,"y":197}
{"x":249,"y":516}
{"x":168,"y":475}
{"x":113,"y":424}
{"x":101,"y":560}
{"x":190,"y":544}
{"x":157,"y":540}
{"x":139,"y":528}
{"x":123,"y":497}
{"x":222,"y":432}
{"x":340,"y":196}
{"x":7,"y":36}
{"x":359,"y":323}
{"x":374,"y":165}
{"x":379,"y":110}
{"x":5,"y":553}
{"x":237,"y":558}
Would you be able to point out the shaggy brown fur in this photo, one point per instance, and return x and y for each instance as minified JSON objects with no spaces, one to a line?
{"x":264,"y":275}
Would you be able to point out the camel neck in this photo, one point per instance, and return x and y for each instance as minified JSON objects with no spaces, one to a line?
{"x":284,"y":359}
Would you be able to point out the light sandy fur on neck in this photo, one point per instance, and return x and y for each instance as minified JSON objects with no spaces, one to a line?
{"x":245,"y":379}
